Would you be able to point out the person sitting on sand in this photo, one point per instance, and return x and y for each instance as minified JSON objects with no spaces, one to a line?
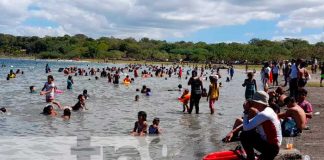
{"x":154,"y":128}
{"x":263,"y":131}
{"x":50,"y":88}
{"x":49,"y":111}
{"x":294,"y":118}
{"x":140,"y":127}
{"x":304,"y":104}
{"x":81,"y":104}
{"x":66,"y":114}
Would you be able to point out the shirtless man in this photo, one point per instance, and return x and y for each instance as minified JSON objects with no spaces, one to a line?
{"x":295,"y":112}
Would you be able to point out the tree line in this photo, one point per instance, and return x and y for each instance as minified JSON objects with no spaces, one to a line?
{"x":81,"y":46}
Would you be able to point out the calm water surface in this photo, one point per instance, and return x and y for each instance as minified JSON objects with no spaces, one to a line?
{"x":112,"y":110}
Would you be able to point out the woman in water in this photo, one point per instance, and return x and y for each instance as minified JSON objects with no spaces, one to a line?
{"x":49,"y":91}
{"x":69,"y":82}
{"x":140,"y":127}
{"x":213,"y":93}
{"x":81,"y":104}
{"x":251,"y":86}
{"x":196,"y":90}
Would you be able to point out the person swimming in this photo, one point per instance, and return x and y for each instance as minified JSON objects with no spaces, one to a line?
{"x":66,"y":114}
{"x":148,"y":92}
{"x":154,"y":128}
{"x":3,"y":110}
{"x":85,"y":94}
{"x":140,"y":126}
{"x":144,"y":89}
{"x":80,"y":104}
{"x":49,"y":111}
{"x":137,"y":98}
{"x":32,"y":89}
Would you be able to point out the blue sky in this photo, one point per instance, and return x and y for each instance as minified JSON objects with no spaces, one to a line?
{"x":172,"y":20}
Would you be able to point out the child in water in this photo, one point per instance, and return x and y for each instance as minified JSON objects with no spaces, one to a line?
{"x":213,"y":93}
{"x":3,"y":110}
{"x":148,"y":92}
{"x":140,"y":127}
{"x":66,"y":114}
{"x":49,"y":111}
{"x":49,"y":88}
{"x":185,"y":103}
{"x":32,"y":89}
{"x":250,"y":85}
{"x":69,"y":82}
{"x":127,"y":80}
{"x":80,"y":104}
{"x":136,"y":98}
{"x":154,"y":128}
{"x":85,"y":94}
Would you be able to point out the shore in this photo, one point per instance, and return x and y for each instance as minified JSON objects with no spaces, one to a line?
{"x":311,"y":141}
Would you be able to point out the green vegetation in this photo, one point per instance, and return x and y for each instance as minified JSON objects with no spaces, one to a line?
{"x":83,"y":47}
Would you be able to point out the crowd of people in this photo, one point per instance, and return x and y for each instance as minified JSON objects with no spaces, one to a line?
{"x":262,"y":125}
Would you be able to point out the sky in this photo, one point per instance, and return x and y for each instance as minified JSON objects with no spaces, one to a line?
{"x":211,"y":21}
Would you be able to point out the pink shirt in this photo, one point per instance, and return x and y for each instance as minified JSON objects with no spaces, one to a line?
{"x":306,"y":106}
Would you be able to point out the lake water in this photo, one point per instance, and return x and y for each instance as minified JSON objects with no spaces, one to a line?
{"x":26,"y":134}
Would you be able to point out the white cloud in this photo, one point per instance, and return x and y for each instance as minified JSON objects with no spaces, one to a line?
{"x":311,"y":38}
{"x":158,"y":19}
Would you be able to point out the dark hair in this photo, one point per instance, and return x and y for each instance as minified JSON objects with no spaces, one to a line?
{"x":67,"y":112}
{"x":85,"y":91}
{"x":80,"y":96}
{"x":179,"y":86}
{"x":250,"y":74}
{"x":194,"y":73}
{"x":289,"y":100}
{"x":70,"y":77}
{"x":31,"y":88}
{"x":142,"y":114}
{"x":47,"y":110}
{"x":156,"y":120}
{"x":302,"y":92}
{"x":50,"y":77}
{"x":3,"y":109}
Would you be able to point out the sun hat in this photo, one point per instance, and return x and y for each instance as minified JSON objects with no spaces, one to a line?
{"x":261,"y":97}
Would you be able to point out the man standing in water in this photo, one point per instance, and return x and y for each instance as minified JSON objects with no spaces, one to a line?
{"x":263,"y":131}
{"x":196,"y":90}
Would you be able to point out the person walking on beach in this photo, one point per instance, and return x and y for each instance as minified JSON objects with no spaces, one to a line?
{"x":251,"y":86}
{"x":231,"y":72}
{"x":275,"y":73}
{"x":196,"y":91}
{"x":293,"y":74}
{"x":263,"y":131}
{"x":286,"y":71}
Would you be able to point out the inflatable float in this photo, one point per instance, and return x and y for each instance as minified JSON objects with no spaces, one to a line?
{"x":186,"y":98}
{"x":58,"y":91}
{"x":236,"y":154}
